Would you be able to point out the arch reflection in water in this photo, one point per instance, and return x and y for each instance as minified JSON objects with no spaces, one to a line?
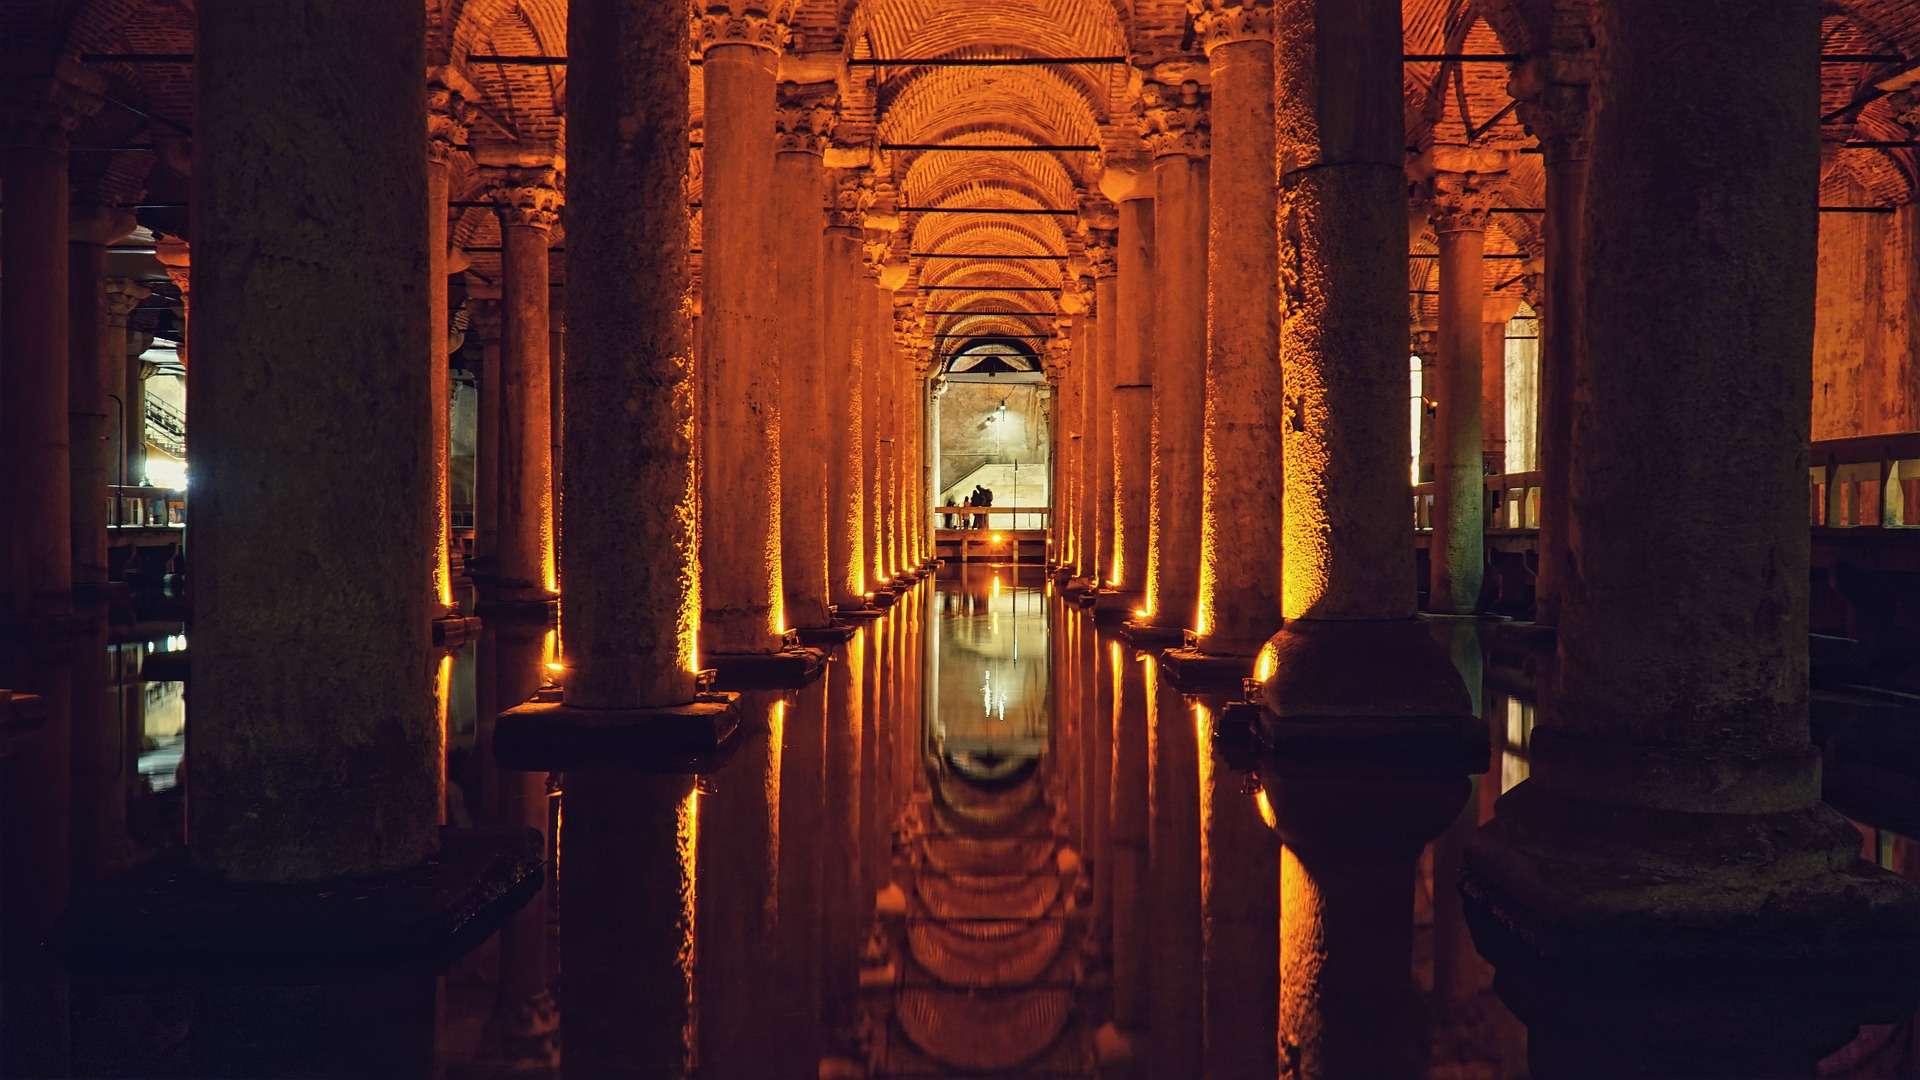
{"x":976,"y":962}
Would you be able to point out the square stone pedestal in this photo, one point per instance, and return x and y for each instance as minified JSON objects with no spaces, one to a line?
{"x":1150,"y":638}
{"x":789,"y":669}
{"x":454,"y":631}
{"x":1111,"y":606}
{"x":1198,"y":672}
{"x":551,"y":736}
{"x":828,"y":636}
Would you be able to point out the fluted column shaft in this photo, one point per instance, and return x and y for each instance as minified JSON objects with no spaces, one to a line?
{"x":632,"y":610}
{"x":1240,"y":531}
{"x":1177,"y":135}
{"x":303,"y":771}
{"x":740,"y":498}
{"x":1457,"y":556}
{"x":804,"y":119}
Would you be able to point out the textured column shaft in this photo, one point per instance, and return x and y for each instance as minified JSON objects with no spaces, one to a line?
{"x":556,"y":422}
{"x":740,"y":368}
{"x":484,"y":325}
{"x":1493,"y":397}
{"x":630,"y":616}
{"x":1133,"y":396}
{"x":879,"y":331}
{"x":1073,"y":421}
{"x":303,"y":770}
{"x":1458,"y":552}
{"x":1343,"y":344}
{"x":846,"y":475}
{"x":1106,"y":446}
{"x":134,"y":434}
{"x":440,"y":386}
{"x":1240,"y":530}
{"x":888,"y":435}
{"x":799,"y":182}
{"x":33,"y":369}
{"x":523,"y":558}
{"x":1179,"y":387}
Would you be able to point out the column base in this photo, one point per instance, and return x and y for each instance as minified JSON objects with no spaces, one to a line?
{"x":861,"y":613}
{"x":882,"y":598}
{"x":1147,"y":637}
{"x":453,"y":631}
{"x":1077,"y":587}
{"x":161,"y":923}
{"x":507,"y":608}
{"x":1112,"y":605}
{"x":1197,"y":671}
{"x":1643,"y":942}
{"x":550,"y":736}
{"x":789,"y":669}
{"x":836,"y":634}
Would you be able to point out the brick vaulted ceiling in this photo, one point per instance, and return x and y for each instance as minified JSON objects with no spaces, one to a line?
{"x":1084,"y":104}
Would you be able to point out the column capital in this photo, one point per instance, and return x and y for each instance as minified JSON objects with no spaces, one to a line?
{"x":1423,"y":341}
{"x":123,"y":295}
{"x":449,"y":116}
{"x":529,"y":196}
{"x":804,"y":118}
{"x":483,"y":312}
{"x":1462,"y":202}
{"x":1125,"y":175}
{"x":1550,"y":88}
{"x":1176,"y":119}
{"x":849,"y":199}
{"x":1226,"y":22}
{"x":41,"y":110}
{"x":1101,"y":254}
{"x":177,"y":257}
{"x":94,"y":223}
{"x":763,"y":26}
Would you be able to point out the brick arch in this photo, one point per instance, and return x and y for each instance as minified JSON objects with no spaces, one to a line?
{"x":948,"y":231}
{"x":927,"y":28}
{"x":925,"y":176}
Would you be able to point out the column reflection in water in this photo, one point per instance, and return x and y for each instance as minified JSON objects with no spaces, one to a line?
{"x":1128,"y":825}
{"x":1240,"y":915}
{"x":976,"y":964}
{"x":1173,"y":857}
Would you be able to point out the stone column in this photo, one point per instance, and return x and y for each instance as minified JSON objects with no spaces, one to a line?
{"x":1177,"y":136}
{"x":1132,"y":385}
{"x":123,"y":375}
{"x":1101,"y":253}
{"x":1692,"y":907}
{"x":1461,"y":203}
{"x":35,"y":541}
{"x":803,"y":123}
{"x":1353,"y":681}
{"x":484,"y":324}
{"x":95,"y":352}
{"x":740,"y":497}
{"x":1493,"y":383}
{"x":305,"y":771}
{"x":556,"y":412}
{"x":879,"y":330}
{"x":448,"y":115}
{"x":135,"y":397}
{"x":526,"y":196}
{"x":846,"y":358}
{"x":1552,"y":90}
{"x":1071,"y":428}
{"x":1092,"y":401}
{"x":1240,"y":522}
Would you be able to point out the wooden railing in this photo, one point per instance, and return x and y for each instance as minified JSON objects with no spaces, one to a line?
{"x":131,"y":507}
{"x":1512,"y":503}
{"x":1004,"y":518}
{"x":1867,"y":482}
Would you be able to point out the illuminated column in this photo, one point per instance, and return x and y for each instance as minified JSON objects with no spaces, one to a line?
{"x":1457,"y":557}
{"x":846,"y":359}
{"x":123,"y":375}
{"x":448,"y":114}
{"x":803,"y":122}
{"x":1552,"y":90}
{"x":1071,"y":426}
{"x":1106,"y":448}
{"x":526,"y":196}
{"x":1132,"y":190}
{"x":95,"y":350}
{"x":1352,"y":680}
{"x":1671,"y":834}
{"x":739,"y":395}
{"x":35,"y":541}
{"x":304,"y":770}
{"x":134,"y":436}
{"x":1240,"y":520}
{"x":1087,"y":483}
{"x":1493,"y":382}
{"x":1177,"y":136}
{"x":557,"y":412}
{"x":878,"y":301}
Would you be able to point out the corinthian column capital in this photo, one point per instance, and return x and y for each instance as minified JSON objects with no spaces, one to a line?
{"x":123,"y":295}
{"x":1224,"y":22}
{"x":449,"y":115}
{"x":763,"y":25}
{"x":526,"y":195}
{"x":804,"y":118}
{"x":850,"y":199}
{"x":43,"y":109}
{"x":1176,"y":119}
